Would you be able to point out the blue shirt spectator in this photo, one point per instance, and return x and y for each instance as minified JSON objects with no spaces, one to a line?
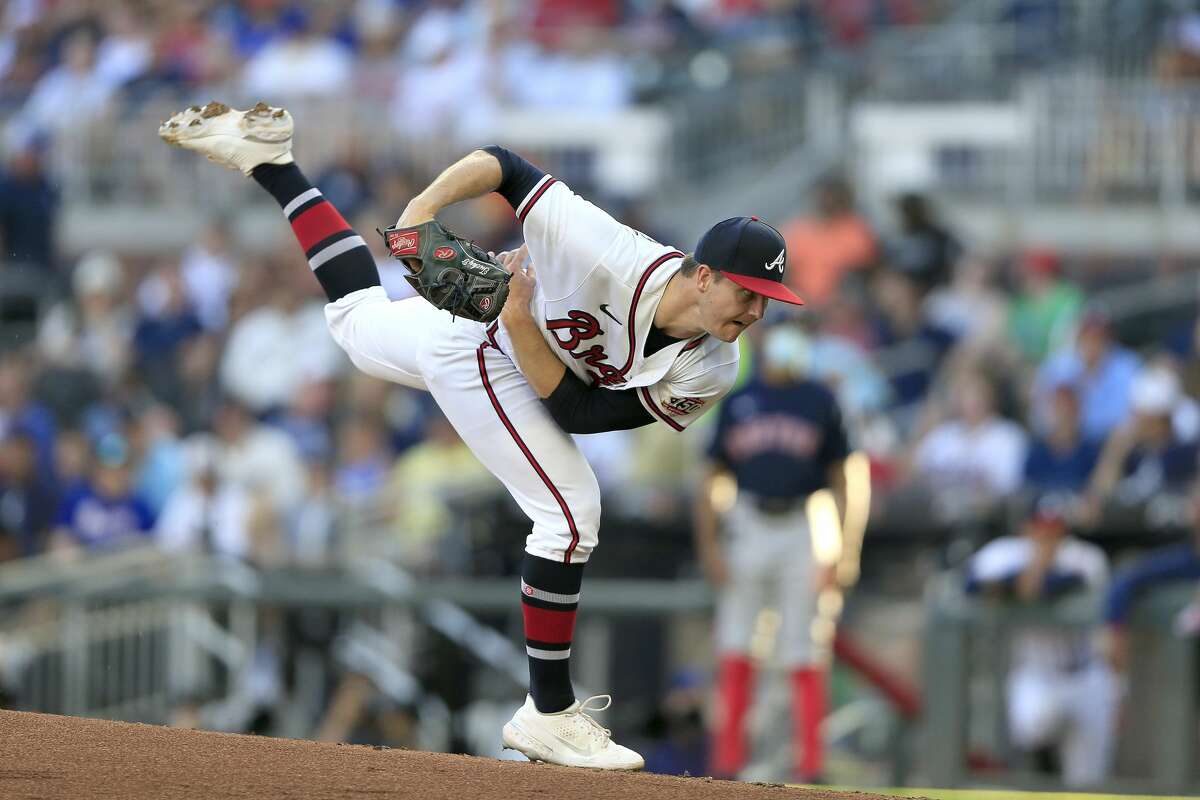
{"x":1065,"y":470}
{"x":105,"y":511}
{"x":96,"y":520}
{"x":26,"y":499}
{"x":162,"y":466}
{"x":250,"y":30}
{"x":29,"y":205}
{"x":21,"y":413}
{"x":1063,"y":459}
{"x":1101,"y":369}
{"x":845,"y":367}
{"x":915,"y":347}
{"x":166,"y":323}
{"x":1149,"y":455}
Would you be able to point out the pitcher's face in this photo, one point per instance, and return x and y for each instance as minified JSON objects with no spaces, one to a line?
{"x":727,"y":309}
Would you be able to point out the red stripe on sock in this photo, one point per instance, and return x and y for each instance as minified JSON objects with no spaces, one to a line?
{"x":552,"y":627}
{"x":316,"y":223}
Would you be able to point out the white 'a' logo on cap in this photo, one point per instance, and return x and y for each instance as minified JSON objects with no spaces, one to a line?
{"x":778,"y":262}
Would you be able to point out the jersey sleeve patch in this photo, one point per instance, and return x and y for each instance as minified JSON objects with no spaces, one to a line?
{"x":678,"y":401}
{"x":665,"y":412}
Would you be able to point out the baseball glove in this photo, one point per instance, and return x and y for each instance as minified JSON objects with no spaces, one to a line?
{"x":453,"y":273}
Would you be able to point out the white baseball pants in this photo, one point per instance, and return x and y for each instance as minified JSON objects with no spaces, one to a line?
{"x":1076,"y":711}
{"x":466,"y":367}
{"x":771,"y":560}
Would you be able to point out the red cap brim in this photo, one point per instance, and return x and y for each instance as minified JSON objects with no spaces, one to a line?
{"x":766,"y":287}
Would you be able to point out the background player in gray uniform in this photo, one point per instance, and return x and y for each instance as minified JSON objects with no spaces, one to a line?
{"x":781,"y":438}
{"x":1060,"y":691}
{"x":617,"y":331}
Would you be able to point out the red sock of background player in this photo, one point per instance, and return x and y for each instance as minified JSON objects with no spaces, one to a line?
{"x":338,"y":256}
{"x":549,"y":598}
{"x":735,"y":685}
{"x":808,"y":712}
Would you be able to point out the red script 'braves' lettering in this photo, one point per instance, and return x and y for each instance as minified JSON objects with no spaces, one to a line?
{"x":577,"y":327}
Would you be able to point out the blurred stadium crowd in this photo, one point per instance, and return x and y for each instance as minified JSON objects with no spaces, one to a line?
{"x":194,"y":398}
{"x":415,"y":56}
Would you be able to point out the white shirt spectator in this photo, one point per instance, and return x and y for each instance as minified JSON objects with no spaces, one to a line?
{"x":593,"y":82}
{"x":448,"y":96}
{"x":311,"y":531}
{"x":190,"y":513}
{"x":265,"y":459}
{"x":15,"y":17}
{"x":989,"y":456}
{"x":96,"y":330}
{"x":272,"y":352}
{"x":209,"y":279}
{"x":969,"y":307}
{"x":299,"y":66}
{"x":445,"y":90}
{"x":126,"y":52}
{"x":84,"y":92}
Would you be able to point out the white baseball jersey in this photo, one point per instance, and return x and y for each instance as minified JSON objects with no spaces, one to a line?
{"x":1049,"y":647}
{"x":598,"y":286}
{"x":1058,"y":692}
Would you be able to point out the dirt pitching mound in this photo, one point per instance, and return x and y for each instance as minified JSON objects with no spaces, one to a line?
{"x":45,"y":757}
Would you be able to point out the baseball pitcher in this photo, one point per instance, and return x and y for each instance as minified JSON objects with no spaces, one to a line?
{"x":615,"y":331}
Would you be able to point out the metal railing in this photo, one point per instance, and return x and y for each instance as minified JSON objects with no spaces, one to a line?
{"x":1071,"y":139}
{"x":966,"y":651}
{"x":742,"y":126}
{"x":93,"y":639}
{"x":117,"y":177}
{"x":1114,"y":142}
{"x":134,"y":635}
{"x":1075,"y":161}
{"x":119,"y":160}
{"x":131,"y":634}
{"x":980,"y":49}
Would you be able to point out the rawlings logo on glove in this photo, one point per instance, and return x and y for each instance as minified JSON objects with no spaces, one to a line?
{"x":453,"y":273}
{"x":403,"y":243}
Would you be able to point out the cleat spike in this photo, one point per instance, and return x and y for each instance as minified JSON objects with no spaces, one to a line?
{"x":239,"y":140}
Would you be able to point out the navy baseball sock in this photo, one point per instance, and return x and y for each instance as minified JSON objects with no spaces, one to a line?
{"x":338,"y":256}
{"x":549,"y":598}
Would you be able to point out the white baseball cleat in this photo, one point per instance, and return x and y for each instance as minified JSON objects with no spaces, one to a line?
{"x":234,"y":139}
{"x":570,"y":738}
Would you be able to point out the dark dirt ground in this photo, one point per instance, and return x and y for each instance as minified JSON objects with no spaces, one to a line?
{"x":45,"y":757}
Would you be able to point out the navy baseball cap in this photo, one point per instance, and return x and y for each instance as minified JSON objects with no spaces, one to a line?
{"x":750,"y":253}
